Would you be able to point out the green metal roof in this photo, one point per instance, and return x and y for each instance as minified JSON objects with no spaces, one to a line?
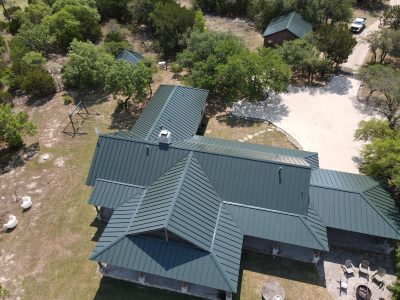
{"x":355,"y":203}
{"x":240,"y":176}
{"x":178,"y":109}
{"x":311,"y":158}
{"x":217,"y":268}
{"x":130,"y":57}
{"x":292,"y":22}
{"x":306,"y":231}
{"x":112,"y":194}
{"x":183,"y":202}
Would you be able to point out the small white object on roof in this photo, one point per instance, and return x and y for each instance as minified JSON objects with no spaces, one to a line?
{"x":26,"y":202}
{"x":165,"y":137}
{"x":12,"y":222}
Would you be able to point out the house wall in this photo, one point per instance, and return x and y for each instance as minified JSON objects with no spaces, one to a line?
{"x":278,"y":38}
{"x":285,"y":250}
{"x":359,"y":241}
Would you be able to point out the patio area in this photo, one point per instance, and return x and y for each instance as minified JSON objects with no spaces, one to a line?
{"x":331,"y":272}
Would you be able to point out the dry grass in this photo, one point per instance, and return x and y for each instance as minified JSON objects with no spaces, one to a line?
{"x":250,"y":37}
{"x":9,"y":3}
{"x":233,"y":128}
{"x":299,"y":280}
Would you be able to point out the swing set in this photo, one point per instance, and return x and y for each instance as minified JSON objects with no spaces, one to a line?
{"x":77,"y":118}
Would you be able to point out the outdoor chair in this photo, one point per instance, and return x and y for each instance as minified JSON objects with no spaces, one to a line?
{"x":343,"y":286}
{"x":364,"y":269}
{"x":379,"y":276}
{"x":348,"y":268}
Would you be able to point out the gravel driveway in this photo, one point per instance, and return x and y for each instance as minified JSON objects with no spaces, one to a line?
{"x":320,"y":119}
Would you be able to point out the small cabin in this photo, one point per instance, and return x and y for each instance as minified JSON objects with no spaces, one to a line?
{"x":285,"y":28}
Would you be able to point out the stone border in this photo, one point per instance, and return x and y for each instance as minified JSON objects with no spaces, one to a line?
{"x":290,"y":138}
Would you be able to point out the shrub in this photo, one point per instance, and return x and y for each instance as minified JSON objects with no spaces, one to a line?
{"x":115,"y":48}
{"x":68,"y":99}
{"x":175,"y":68}
{"x":12,"y":127}
{"x":114,"y":36}
{"x":5,"y":97}
{"x":38,"y":83}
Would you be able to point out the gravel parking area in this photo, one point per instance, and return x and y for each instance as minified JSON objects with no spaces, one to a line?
{"x":321,"y":119}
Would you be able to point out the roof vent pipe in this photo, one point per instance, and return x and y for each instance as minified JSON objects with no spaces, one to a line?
{"x":164,"y":137}
{"x":280,"y":174}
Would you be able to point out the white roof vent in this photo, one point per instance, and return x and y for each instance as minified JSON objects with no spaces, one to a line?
{"x":165,"y":137}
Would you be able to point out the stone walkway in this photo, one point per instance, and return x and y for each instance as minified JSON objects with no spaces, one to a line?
{"x":331,"y":272}
{"x":321,"y":119}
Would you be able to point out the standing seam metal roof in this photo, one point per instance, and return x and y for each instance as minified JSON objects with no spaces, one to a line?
{"x":236,"y":176}
{"x":306,"y":231}
{"x":292,"y":22}
{"x":112,"y":194}
{"x":178,"y":109}
{"x":355,"y":203}
{"x":130,"y":57}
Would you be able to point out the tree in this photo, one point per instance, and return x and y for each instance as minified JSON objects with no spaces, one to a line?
{"x":386,"y":41}
{"x":336,"y":42}
{"x":374,"y":128}
{"x":129,"y":81}
{"x":36,"y":11}
{"x":171,"y":24}
{"x":391,"y":18}
{"x":383,"y":83}
{"x":31,"y":38}
{"x":113,"y":9}
{"x":64,"y":27}
{"x":13,"y":126}
{"x":34,"y":59}
{"x":337,"y":11}
{"x":60,"y":4}
{"x":199,"y":21}
{"x":87,"y":66}
{"x":37,"y":83}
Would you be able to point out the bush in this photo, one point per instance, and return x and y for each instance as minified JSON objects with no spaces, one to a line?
{"x":38,"y":83}
{"x":114,"y":36}
{"x":5,"y":97}
{"x":12,"y":127}
{"x":115,"y":48}
{"x":67,"y":99}
{"x":175,"y":68}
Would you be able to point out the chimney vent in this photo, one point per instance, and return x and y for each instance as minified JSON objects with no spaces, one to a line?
{"x":164,"y":137}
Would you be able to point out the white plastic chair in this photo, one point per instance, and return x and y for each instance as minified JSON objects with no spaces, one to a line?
{"x":12,"y":222}
{"x":26,"y":202}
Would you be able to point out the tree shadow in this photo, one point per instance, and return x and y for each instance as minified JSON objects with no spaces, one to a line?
{"x":11,"y":159}
{"x":339,"y":85}
{"x":89,"y":98}
{"x":215,"y":106}
{"x":39,"y":101}
{"x":235,"y":121}
{"x":272,"y":109}
{"x":122,"y":119}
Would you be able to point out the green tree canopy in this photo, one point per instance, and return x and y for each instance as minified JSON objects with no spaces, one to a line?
{"x":383,"y":83}
{"x":113,"y":9}
{"x":36,"y":11}
{"x":336,"y":42}
{"x":60,"y":4}
{"x":34,"y":59}
{"x":172,"y":24}
{"x":87,"y":66}
{"x":129,"y":81}
{"x":13,"y":126}
{"x":391,"y":17}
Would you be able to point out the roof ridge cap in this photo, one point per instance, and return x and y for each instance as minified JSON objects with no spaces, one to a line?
{"x":161,"y":112}
{"x":378,"y":211}
{"x":119,"y":182}
{"x":293,"y":13}
{"x":95,"y":255}
{"x":136,"y":210}
{"x":178,"y":188}
{"x":216,"y":226}
{"x":313,"y":233}
{"x":214,"y":258}
{"x":335,"y":189}
{"x":263,"y":208}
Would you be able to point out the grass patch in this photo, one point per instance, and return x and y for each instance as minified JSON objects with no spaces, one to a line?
{"x":229,"y":127}
{"x":299,"y":280}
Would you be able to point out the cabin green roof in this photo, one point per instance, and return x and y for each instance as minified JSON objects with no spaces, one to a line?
{"x":292,"y":22}
{"x":130,"y":57}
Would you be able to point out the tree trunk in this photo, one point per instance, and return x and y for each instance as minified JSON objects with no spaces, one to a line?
{"x":5,"y":11}
{"x":383,"y":55}
{"x":126,"y":102}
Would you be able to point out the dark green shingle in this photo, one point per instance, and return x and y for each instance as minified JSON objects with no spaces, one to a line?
{"x":292,"y":22}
